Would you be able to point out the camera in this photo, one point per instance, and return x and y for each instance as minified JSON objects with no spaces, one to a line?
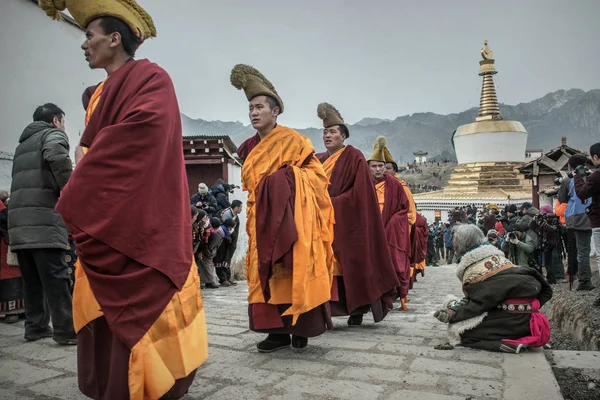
{"x":512,"y":235}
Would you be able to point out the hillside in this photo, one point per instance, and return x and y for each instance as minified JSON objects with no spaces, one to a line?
{"x":572,"y":113}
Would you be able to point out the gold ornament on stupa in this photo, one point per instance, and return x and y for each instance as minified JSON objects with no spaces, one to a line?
{"x":488,"y":105}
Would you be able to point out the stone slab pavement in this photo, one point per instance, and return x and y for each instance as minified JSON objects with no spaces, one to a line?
{"x":394,"y":359}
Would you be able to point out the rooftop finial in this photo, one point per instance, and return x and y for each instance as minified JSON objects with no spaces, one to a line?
{"x":488,"y":105}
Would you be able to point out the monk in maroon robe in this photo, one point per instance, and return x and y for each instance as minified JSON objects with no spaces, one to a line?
{"x":418,"y":240}
{"x":364,"y":276}
{"x":394,"y":206}
{"x":137,"y":310}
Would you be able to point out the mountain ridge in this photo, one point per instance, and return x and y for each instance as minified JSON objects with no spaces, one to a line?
{"x":573,"y":113}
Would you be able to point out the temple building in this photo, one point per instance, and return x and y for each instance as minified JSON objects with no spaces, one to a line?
{"x":420,"y":156}
{"x":544,"y":169}
{"x":489,"y":153}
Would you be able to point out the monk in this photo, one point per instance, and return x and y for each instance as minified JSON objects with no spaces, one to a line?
{"x":418,"y":240}
{"x":364,"y":276}
{"x":289,"y":264}
{"x":394,"y":206}
{"x":137,"y":310}
{"x":391,"y":168}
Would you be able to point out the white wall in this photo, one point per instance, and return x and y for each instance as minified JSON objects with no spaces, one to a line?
{"x":491,"y":147}
{"x":234,"y":173}
{"x":42,"y":62}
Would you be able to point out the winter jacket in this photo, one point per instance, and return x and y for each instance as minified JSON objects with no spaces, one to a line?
{"x":587,"y":189}
{"x":575,"y":214}
{"x":209,"y":203}
{"x":524,"y":224}
{"x":448,"y":238}
{"x":221,"y":198}
{"x":525,"y":249}
{"x":41,"y":169}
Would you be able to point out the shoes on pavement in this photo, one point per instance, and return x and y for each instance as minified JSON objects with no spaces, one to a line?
{"x":585,"y":286}
{"x":11,"y":319}
{"x":299,"y":342}
{"x":355,"y":320}
{"x":274,"y":342}
{"x":225,"y":283}
{"x":67,"y":342}
{"x":32,"y":337}
{"x":211,"y":286}
{"x":232,"y":282}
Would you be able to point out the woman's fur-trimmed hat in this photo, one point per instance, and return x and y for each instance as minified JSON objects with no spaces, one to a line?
{"x":85,"y":11}
{"x":380,"y":151}
{"x":330,"y":116}
{"x":253,"y":83}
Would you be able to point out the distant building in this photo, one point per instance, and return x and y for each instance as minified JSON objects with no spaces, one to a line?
{"x":533,"y":154}
{"x":544,"y":169}
{"x":208,"y":158}
{"x":420,"y":156}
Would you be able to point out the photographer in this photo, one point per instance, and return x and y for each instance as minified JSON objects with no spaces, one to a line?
{"x":589,"y":186}
{"x":494,"y":239}
{"x":547,"y":226}
{"x":204,"y":201}
{"x":528,"y":212}
{"x":519,"y":247}
{"x":579,"y":230}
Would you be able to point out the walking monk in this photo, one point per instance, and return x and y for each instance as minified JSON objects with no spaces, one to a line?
{"x":364,"y":276}
{"x":289,"y":264}
{"x":394,"y":206}
{"x":137,"y":310}
{"x":391,"y":168}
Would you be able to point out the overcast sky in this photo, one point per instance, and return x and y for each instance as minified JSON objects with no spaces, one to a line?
{"x":372,"y":58}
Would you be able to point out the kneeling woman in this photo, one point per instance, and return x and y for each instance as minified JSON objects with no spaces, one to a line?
{"x":500,"y":310}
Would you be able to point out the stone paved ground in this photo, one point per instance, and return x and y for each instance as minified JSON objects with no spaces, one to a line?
{"x":394,"y":359}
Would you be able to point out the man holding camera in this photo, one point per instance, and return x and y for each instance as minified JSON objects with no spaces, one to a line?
{"x":589,"y":186}
{"x":204,"y":201}
{"x":578,"y":223}
{"x":519,"y":247}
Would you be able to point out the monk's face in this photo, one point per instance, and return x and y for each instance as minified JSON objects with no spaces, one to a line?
{"x":389,"y":168}
{"x":377,"y":170}
{"x":333,"y":139}
{"x":262,"y":116}
{"x":100,"y":49}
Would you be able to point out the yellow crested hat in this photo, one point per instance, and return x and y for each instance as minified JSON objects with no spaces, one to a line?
{"x":330,"y":115}
{"x":253,"y":83}
{"x":380,"y":151}
{"x":85,"y":11}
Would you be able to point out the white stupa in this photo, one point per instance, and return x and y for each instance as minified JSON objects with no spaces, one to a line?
{"x":489,"y":152}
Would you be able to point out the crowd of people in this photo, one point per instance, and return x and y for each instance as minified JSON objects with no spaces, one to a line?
{"x":329,"y":234}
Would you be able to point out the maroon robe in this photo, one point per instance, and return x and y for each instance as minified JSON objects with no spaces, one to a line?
{"x":127,"y":207}
{"x":275,"y":236}
{"x":359,"y":238}
{"x":395,"y":221}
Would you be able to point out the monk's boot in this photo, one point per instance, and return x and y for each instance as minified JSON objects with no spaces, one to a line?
{"x":273,"y":342}
{"x":299,"y":342}
{"x":355,"y":320}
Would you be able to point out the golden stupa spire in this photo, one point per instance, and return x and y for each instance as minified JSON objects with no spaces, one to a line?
{"x":488,"y":105}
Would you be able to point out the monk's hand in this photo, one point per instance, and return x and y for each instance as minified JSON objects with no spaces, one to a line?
{"x":444,"y":315}
{"x":78,"y":154}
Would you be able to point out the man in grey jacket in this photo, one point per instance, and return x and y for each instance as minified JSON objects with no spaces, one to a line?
{"x":37,"y":232}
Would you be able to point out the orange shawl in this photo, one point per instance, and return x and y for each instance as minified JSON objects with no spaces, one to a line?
{"x":308,"y":284}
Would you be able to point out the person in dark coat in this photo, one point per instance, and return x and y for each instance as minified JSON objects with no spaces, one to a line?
{"x":225,"y":252}
{"x":221,"y":194}
{"x":37,"y":232}
{"x":500,"y":310}
{"x":204,"y":201}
